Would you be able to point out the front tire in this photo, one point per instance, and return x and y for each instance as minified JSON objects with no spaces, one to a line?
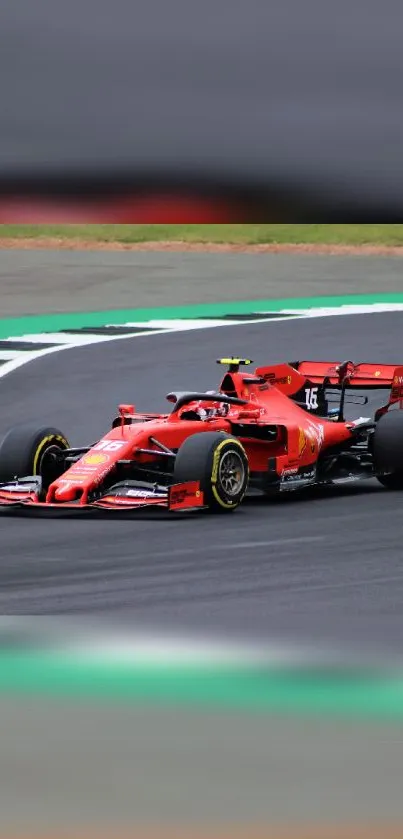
{"x":388,"y":450}
{"x":219,"y":462}
{"x":28,"y":450}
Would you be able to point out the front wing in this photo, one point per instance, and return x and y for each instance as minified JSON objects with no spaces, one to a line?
{"x":25,"y":494}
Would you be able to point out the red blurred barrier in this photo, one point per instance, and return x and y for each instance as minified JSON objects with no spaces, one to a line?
{"x":155,"y":209}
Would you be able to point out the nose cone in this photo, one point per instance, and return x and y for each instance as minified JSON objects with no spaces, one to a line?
{"x":67,"y":491}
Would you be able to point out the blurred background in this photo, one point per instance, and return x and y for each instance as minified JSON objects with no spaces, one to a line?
{"x":220,"y":111}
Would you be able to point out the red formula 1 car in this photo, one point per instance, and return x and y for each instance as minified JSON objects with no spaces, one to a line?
{"x":271,"y":430}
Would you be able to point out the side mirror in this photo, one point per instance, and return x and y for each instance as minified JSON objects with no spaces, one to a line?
{"x":126,"y":410}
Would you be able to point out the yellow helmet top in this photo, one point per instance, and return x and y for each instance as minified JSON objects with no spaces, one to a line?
{"x":234,"y":363}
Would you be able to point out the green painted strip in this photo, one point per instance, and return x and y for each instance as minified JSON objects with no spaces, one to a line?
{"x":281,"y":691}
{"x":76,"y":320}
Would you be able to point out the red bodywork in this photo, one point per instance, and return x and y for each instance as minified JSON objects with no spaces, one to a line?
{"x":299,"y":438}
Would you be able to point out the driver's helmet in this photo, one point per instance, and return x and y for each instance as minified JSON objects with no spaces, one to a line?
{"x":217,"y":409}
{"x":198,"y":410}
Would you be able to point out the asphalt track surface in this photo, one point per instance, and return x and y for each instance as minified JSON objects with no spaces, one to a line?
{"x":311,"y":569}
{"x":327,"y":567}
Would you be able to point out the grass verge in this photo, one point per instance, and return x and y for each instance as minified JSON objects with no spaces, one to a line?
{"x":390,"y":235}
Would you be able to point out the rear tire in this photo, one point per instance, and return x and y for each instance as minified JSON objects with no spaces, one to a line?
{"x":27,"y":450}
{"x":388,"y":450}
{"x":219,"y":462}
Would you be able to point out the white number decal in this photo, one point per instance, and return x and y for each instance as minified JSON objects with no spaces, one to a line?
{"x":109,"y":445}
{"x":311,"y":397}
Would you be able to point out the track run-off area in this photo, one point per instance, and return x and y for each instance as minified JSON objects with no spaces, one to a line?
{"x":241,"y":614}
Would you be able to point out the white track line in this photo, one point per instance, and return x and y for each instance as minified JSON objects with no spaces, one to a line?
{"x":9,"y":355}
{"x":24,"y":357}
{"x":85,"y":642}
{"x":64,"y":341}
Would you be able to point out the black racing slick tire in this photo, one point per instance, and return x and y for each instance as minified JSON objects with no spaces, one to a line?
{"x":27,"y":450}
{"x":388,"y":450}
{"x":219,"y":462}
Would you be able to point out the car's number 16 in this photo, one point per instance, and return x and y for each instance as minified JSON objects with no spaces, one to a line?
{"x":109,"y":445}
{"x":311,"y":398}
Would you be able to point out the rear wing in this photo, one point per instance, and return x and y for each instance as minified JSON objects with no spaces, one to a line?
{"x":338,"y":374}
{"x":310,"y":381}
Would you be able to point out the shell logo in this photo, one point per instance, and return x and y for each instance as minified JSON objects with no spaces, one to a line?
{"x":377,"y":373}
{"x":95,"y":459}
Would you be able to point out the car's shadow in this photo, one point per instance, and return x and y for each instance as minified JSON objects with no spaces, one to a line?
{"x":316,"y":493}
{"x":103,"y":515}
{"x":252,"y":500}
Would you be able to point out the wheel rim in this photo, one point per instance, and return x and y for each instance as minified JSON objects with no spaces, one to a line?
{"x":47,"y":464}
{"x":231,"y":473}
